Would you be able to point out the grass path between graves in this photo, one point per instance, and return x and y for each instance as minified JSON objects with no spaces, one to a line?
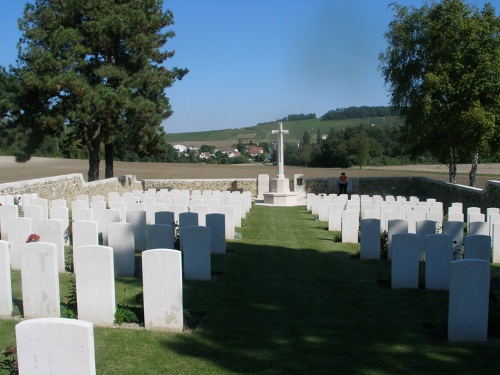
{"x":289,"y":300}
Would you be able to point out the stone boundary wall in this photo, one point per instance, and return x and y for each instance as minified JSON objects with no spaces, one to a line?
{"x":69,"y":186}
{"x":421,"y":187}
{"x":244,"y":184}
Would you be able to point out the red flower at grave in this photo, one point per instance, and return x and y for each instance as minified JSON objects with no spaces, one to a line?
{"x":33,"y":238}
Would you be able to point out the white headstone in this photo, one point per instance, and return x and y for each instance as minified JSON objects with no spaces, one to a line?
{"x":121,"y":239}
{"x":395,"y":227}
{"x":95,"y":284}
{"x":195,"y":247}
{"x":19,"y":229}
{"x":85,"y":233}
{"x":217,"y":225}
{"x":7,"y":212}
{"x":51,"y":231}
{"x":162,"y":285}
{"x":456,"y":230}
{"x":5,"y":281}
{"x":350,"y":226}
{"x":468,"y":300}
{"x":160,"y":236}
{"x":138,"y":221}
{"x":55,"y":346}
{"x":438,"y":256}
{"x":370,"y":239}
{"x":40,"y":280}
{"x":477,"y":246}
{"x":405,"y":260}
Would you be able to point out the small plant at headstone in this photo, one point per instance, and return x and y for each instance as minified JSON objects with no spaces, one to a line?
{"x":16,"y":312}
{"x":337,"y":237}
{"x":8,"y":360}
{"x":68,"y":234}
{"x":457,"y":251}
{"x":124,"y":314}
{"x":68,"y":263}
{"x":69,"y":307}
{"x":100,"y":239}
{"x":177,"y":236}
{"x":20,"y":210}
{"x":33,"y":238}
{"x":384,"y":244}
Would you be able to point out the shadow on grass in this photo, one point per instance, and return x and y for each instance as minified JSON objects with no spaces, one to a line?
{"x":280,"y":310}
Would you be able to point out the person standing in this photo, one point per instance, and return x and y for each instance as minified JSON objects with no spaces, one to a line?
{"x":343,"y":179}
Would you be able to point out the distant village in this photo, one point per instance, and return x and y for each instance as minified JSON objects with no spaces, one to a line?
{"x":257,"y":153}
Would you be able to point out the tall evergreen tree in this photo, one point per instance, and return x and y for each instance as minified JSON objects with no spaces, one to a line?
{"x":97,"y":68}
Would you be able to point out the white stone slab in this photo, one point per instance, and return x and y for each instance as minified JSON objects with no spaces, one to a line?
{"x":335,"y":216}
{"x":121,"y":239}
{"x":40,"y":280}
{"x":468,"y":300}
{"x":165,"y":217}
{"x":438,"y":257}
{"x":44,"y":203}
{"x":456,"y":230}
{"x":160,"y":236}
{"x":138,"y":221}
{"x":495,"y":240}
{"x":55,"y":346}
{"x":195,"y":247}
{"x":187,"y":219}
{"x":395,"y":227}
{"x":477,"y":246}
{"x":370,"y":239}
{"x":228,"y":212}
{"x":405,"y":260}
{"x":85,"y":233}
{"x":95,"y":284}
{"x":7,"y":212}
{"x":202,"y":211}
{"x":5,"y":281}
{"x":350,"y":226}
{"x":82,"y":214}
{"x":51,"y":231}
{"x":217,"y":225}
{"x":479,"y":227}
{"x":162,"y":286}
{"x":19,"y":229}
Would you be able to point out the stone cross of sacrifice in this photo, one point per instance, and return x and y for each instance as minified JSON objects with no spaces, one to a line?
{"x":281,"y":168}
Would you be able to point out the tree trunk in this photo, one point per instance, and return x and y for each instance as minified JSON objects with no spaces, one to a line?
{"x":452,"y":168}
{"x":473,"y":170}
{"x":108,"y":160}
{"x":94,"y":159}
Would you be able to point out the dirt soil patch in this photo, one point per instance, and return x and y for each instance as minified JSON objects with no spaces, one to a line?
{"x":11,"y":171}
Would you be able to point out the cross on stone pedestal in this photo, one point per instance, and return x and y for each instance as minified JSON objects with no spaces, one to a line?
{"x":281,"y":168}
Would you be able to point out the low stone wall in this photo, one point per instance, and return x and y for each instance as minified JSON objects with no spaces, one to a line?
{"x":69,"y":186}
{"x":247,"y":184}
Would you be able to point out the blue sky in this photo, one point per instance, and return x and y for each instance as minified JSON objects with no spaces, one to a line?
{"x":255,"y":61}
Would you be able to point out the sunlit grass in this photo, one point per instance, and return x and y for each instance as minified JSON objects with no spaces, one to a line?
{"x":289,"y":300}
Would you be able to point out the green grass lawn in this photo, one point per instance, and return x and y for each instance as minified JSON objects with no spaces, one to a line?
{"x":289,"y":300}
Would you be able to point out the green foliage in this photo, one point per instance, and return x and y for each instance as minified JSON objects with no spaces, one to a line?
{"x":442,"y":66}
{"x":124,"y":314}
{"x":8,"y":360}
{"x":99,"y":81}
{"x":69,"y":307}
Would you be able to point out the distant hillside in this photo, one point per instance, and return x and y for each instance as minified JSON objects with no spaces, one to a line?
{"x":262,"y":132}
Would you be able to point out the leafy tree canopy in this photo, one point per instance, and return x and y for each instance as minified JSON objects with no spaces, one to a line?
{"x":442,"y":66}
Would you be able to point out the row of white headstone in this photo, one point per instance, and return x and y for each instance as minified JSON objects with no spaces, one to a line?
{"x":45,"y":341}
{"x":416,"y":234}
